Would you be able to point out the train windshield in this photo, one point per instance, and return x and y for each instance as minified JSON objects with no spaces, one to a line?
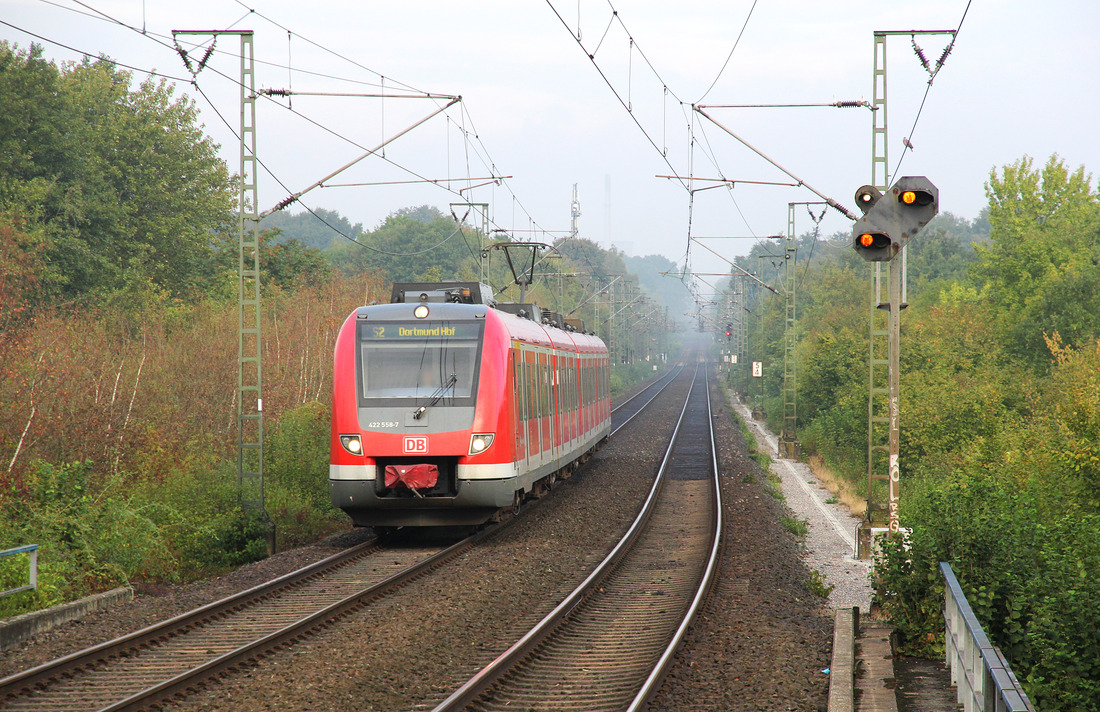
{"x":416,"y":363}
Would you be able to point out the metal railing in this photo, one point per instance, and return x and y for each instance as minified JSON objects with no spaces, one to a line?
{"x":982,"y":677}
{"x":32,"y":551}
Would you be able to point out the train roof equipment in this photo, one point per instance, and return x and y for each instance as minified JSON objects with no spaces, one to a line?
{"x":456,"y":292}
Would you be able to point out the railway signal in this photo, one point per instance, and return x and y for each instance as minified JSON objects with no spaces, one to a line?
{"x":891,"y":219}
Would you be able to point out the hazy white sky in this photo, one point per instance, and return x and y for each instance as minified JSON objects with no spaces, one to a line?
{"x":1020,"y":80}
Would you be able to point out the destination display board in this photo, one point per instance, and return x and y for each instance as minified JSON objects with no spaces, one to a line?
{"x":416,"y":331}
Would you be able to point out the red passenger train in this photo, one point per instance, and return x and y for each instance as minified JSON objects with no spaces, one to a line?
{"x":447,"y":407}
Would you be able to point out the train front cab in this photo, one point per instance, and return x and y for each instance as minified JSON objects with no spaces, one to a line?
{"x":417,"y":394}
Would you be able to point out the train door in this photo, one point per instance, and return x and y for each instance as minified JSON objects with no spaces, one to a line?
{"x":533,"y":404}
{"x":547,"y":410}
{"x":555,"y":402}
{"x":586,"y":391}
{"x":519,"y":403}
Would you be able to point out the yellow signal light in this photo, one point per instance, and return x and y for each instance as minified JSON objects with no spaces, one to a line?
{"x":867,"y":239}
{"x":916,"y":197}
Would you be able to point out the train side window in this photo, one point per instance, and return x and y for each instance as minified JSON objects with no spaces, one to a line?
{"x":585,"y":375}
{"x":600,"y":380}
{"x":577,"y":383}
{"x":532,"y":402}
{"x":591,"y":378}
{"x":573,"y":401}
{"x":533,"y":384}
{"x":580,"y":381}
{"x":538,"y":388}
{"x":604,"y":380}
{"x":584,"y":382}
{"x":533,"y":388}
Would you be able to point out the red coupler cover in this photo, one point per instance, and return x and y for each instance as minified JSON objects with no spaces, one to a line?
{"x":412,"y":476}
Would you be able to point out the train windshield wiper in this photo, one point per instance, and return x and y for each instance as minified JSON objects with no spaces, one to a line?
{"x":437,"y":396}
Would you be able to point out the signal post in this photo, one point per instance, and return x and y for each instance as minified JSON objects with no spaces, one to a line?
{"x":889,"y":221}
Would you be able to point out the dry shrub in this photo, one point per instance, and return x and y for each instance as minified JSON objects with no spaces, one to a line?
{"x":134,"y":393}
{"x":843,"y":489}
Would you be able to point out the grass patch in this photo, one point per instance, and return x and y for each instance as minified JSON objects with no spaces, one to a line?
{"x":798,"y":527}
{"x":774,"y":487}
{"x":817,"y":586}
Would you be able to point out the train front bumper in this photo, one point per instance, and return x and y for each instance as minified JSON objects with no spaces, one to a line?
{"x":354,"y":489}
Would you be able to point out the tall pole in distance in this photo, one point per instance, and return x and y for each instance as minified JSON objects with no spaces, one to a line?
{"x":788,"y":436}
{"x":876,"y":419}
{"x":250,"y":402}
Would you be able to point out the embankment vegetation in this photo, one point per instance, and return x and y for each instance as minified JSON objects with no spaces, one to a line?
{"x":1000,"y":416}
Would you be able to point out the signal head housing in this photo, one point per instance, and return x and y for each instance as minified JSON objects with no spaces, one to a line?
{"x":894,"y":218}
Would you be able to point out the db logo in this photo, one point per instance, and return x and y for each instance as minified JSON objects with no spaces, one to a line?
{"x":417,"y":445}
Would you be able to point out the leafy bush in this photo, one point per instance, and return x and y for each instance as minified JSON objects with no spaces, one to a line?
{"x":296,"y":454}
{"x":297,"y":462}
{"x":196,"y":509}
{"x":624,"y":377}
{"x":86,"y":543}
{"x":1032,"y":578}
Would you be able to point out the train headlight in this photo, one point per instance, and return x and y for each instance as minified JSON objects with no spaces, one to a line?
{"x":352,"y":444}
{"x":480,"y":442}
{"x":421,"y":311}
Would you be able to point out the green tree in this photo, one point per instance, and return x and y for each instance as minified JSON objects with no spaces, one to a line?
{"x":317,"y":228}
{"x":32,"y":124}
{"x":943,"y":252}
{"x":408,"y":248}
{"x":1040,"y":268}
{"x":125,"y":184}
{"x":289,"y":263}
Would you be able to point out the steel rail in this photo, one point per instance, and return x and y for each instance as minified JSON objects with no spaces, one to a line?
{"x":652,"y":683}
{"x":657,"y":387}
{"x":194,"y":676}
{"x":470,"y":691}
{"x":300,"y":627}
{"x":110,"y":648}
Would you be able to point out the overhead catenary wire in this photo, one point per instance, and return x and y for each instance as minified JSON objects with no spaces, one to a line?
{"x":233,"y":131}
{"x":150,"y":72}
{"x":832,"y":203}
{"x":228,"y":125}
{"x":327,"y":224}
{"x":634,"y":46}
{"x":198,"y":61}
{"x":592,"y":57}
{"x":730,"y":56}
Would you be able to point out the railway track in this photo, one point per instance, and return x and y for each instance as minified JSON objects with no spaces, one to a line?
{"x":625,"y":411}
{"x":175,"y":656}
{"x":608,"y":645}
{"x":162,"y":660}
